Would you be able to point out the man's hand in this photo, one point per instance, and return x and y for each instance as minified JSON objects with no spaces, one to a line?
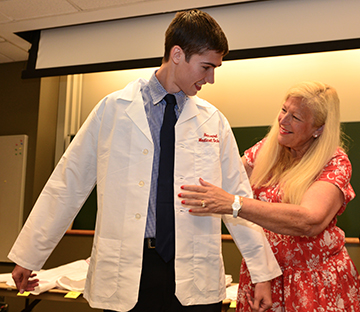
{"x":262,"y":297}
{"x":21,"y":277}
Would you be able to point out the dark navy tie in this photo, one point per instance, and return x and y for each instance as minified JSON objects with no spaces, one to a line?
{"x":165,"y":228}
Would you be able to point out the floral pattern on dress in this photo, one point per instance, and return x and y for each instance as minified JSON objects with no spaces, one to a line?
{"x":318,"y":274}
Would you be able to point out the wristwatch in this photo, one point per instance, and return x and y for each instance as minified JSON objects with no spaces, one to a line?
{"x":236,"y":206}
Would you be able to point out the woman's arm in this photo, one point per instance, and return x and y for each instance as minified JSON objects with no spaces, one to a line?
{"x":318,"y":207}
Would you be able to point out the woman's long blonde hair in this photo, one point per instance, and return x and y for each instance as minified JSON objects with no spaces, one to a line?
{"x":275,"y":164}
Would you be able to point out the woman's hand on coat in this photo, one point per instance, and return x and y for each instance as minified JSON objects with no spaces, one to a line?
{"x":206,"y":198}
{"x":23,"y":279}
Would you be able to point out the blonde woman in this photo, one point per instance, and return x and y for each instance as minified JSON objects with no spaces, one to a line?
{"x":300,"y":176}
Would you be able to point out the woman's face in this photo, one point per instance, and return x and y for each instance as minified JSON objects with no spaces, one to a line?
{"x":296,"y":123}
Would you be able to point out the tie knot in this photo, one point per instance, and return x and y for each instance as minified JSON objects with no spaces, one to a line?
{"x":170,"y":99}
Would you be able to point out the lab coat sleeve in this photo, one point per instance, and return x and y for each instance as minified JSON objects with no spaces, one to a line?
{"x":61,"y":199}
{"x":249,"y":237}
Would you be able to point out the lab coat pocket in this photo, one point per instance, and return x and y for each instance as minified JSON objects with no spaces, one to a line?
{"x":210,"y":151}
{"x":106,"y":268}
{"x":207,"y":262}
{"x":207,"y":161}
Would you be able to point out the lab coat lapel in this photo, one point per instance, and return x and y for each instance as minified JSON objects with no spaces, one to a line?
{"x":136,"y":109}
{"x":190,"y":110}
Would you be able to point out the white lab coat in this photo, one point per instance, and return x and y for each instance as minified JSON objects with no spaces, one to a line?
{"x":114,"y":150}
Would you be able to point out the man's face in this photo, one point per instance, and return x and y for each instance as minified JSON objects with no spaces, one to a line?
{"x":191,"y":76}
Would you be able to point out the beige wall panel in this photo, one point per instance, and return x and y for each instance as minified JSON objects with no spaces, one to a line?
{"x":250,"y":92}
{"x":98,"y":85}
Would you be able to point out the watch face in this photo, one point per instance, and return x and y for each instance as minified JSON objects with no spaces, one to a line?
{"x":236,"y":205}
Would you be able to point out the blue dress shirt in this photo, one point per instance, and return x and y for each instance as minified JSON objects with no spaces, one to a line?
{"x":153,"y":95}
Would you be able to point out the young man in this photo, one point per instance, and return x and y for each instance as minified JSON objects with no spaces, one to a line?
{"x":120,"y":148}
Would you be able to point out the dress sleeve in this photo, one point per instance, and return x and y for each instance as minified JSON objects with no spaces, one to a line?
{"x":251,"y":153}
{"x":338,"y":172}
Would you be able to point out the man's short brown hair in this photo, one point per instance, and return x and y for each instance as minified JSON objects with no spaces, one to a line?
{"x":195,"y":32}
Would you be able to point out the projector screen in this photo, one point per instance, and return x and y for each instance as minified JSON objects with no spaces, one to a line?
{"x":260,"y":28}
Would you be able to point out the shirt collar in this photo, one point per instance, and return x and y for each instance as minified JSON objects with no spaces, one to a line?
{"x":157,"y":93}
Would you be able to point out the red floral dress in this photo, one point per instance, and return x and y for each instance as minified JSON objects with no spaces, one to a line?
{"x":318,"y":274}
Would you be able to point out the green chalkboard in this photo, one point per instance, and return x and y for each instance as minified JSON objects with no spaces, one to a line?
{"x":85,"y":220}
{"x":349,"y":221}
{"x":246,"y":137}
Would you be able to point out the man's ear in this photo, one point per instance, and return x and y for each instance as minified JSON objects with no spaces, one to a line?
{"x":176,"y":54}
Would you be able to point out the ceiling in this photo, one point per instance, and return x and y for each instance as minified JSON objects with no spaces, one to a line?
{"x":26,"y":15}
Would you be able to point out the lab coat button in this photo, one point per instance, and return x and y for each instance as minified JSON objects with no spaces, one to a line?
{"x":141,"y":183}
{"x":138,"y":216}
{"x":145,"y":151}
